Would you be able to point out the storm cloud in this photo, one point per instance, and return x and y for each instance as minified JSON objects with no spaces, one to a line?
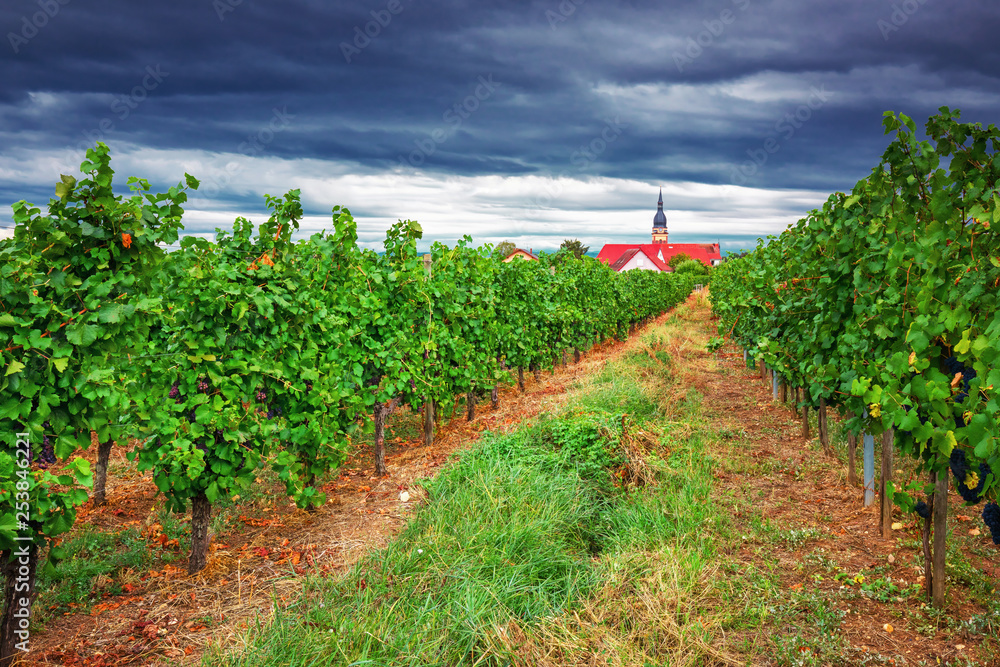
{"x":530,"y":121}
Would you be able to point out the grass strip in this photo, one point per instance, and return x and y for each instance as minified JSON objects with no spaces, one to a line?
{"x":582,"y":538}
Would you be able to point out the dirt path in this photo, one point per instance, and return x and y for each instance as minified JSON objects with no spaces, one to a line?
{"x":819,"y":529}
{"x":263,"y":556}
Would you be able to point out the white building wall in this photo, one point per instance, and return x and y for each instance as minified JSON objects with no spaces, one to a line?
{"x":640,"y":261}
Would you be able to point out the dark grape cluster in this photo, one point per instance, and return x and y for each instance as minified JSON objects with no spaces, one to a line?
{"x":203,"y":386}
{"x":45,"y":456}
{"x":261,"y":396}
{"x":309,"y":386}
{"x":175,"y":390}
{"x":953,"y":366}
{"x":274,"y":411}
{"x":923,"y":510}
{"x":960,"y":468}
{"x":991,"y":517}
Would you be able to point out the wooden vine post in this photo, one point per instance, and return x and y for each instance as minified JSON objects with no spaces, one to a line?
{"x":805,"y":416}
{"x":101,"y":471}
{"x":940,"y":514}
{"x":824,"y":430}
{"x":201,"y":516}
{"x":925,"y":534}
{"x":429,"y":422}
{"x":381,"y":413}
{"x":470,"y":403}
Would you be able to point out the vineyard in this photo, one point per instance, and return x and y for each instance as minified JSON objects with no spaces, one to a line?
{"x":254,"y":351}
{"x":265,"y":449}
{"x":883,"y":305}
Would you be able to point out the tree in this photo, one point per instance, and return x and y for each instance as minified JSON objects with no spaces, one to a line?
{"x":575,"y":247}
{"x":677,"y":259}
{"x":504,"y":248}
{"x":691,"y":267}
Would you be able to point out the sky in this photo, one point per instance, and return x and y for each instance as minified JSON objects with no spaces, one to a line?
{"x":530,"y":121}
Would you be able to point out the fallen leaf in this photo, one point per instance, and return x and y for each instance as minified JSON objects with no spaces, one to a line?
{"x":887,"y":627}
{"x":897,"y":526}
{"x":974,"y":532}
{"x":404,"y":496}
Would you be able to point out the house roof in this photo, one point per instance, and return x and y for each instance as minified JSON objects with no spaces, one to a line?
{"x":629,"y":252}
{"x":624,"y":258}
{"x":662,"y":252}
{"x":521,"y":252}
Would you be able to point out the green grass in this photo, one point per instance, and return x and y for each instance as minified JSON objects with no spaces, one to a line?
{"x":507,"y":533}
{"x":91,"y":567}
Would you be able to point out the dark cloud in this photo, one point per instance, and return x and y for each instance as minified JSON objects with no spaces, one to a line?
{"x":695,"y":89}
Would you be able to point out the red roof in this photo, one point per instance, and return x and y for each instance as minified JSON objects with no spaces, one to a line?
{"x":619,"y":263}
{"x":703,"y":252}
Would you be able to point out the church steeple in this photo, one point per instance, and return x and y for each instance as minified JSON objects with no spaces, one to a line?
{"x":660,"y":222}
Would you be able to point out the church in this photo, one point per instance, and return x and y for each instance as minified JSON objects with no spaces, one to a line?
{"x":655,"y":256}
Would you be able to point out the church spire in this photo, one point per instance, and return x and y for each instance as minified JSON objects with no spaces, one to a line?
{"x":660,"y":222}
